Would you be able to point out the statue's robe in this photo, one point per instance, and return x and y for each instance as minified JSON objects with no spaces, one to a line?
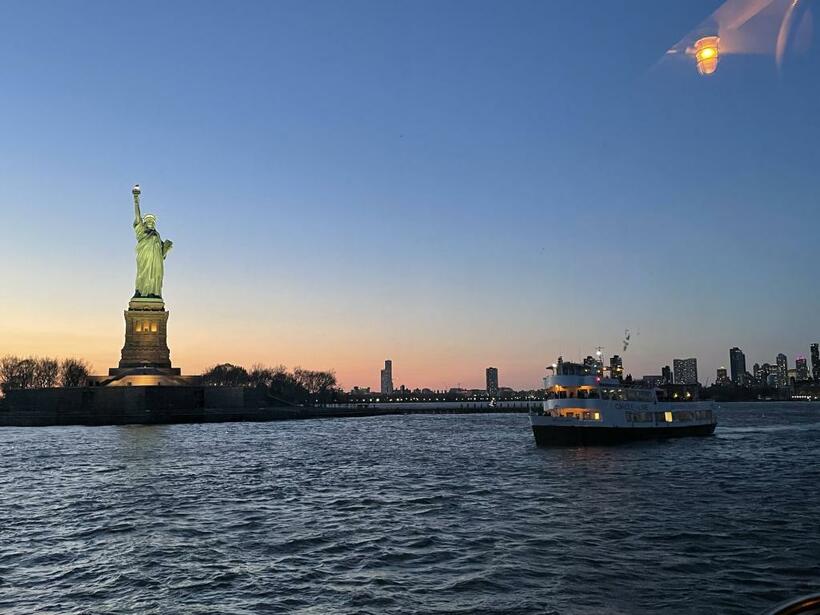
{"x":150,"y":255}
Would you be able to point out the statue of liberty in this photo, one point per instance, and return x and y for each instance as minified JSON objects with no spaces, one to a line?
{"x":151,"y":252}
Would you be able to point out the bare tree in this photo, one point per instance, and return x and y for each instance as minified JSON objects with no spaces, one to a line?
{"x":9,"y":373}
{"x":301,"y":386}
{"x":31,"y":372}
{"x":260,"y":375}
{"x":46,"y":373}
{"x":226,"y":374}
{"x":25,"y":372}
{"x":74,"y":373}
{"x":318,"y":384}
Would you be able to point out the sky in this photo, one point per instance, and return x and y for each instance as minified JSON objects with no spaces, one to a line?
{"x":451,"y":185}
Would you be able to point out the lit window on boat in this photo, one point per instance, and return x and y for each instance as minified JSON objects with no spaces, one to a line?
{"x":667,"y":416}
{"x":597,"y":416}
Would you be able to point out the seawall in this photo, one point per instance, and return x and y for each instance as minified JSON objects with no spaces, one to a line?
{"x":194,"y":404}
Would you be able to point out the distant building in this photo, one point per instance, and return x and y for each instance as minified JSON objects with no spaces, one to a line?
{"x":782,"y":370}
{"x":815,"y":363}
{"x":360,"y":391}
{"x":686,"y":371}
{"x":802,"y":369}
{"x":387,"y":377}
{"x":616,"y":367}
{"x":492,"y":382}
{"x":756,"y":373}
{"x":666,"y":375}
{"x":771,"y":379}
{"x":768,"y":374}
{"x":594,"y":366}
{"x":737,"y":365}
{"x":652,"y":382}
{"x":567,"y":368}
{"x":722,"y":377}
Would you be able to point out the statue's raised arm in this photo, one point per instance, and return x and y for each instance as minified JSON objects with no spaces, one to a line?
{"x":137,"y":215}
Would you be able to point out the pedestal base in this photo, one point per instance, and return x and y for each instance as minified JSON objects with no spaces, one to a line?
{"x":146,"y":323}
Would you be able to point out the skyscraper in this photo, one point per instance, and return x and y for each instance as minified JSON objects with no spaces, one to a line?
{"x":768,"y":374}
{"x":666,"y":374}
{"x":616,"y":367}
{"x":801,"y":369}
{"x":492,"y":382}
{"x":815,"y":363}
{"x":387,"y":377}
{"x":686,"y":371}
{"x":594,"y":365}
{"x":782,"y":370}
{"x":722,"y":376}
{"x":737,"y":366}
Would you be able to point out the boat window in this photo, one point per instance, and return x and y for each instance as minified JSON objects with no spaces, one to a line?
{"x":639,"y":395}
{"x":593,"y":394}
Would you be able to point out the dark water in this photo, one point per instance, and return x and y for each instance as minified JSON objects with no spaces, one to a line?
{"x":417,"y":514}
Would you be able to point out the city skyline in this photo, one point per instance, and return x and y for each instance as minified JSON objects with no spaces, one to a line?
{"x":366,"y":181}
{"x":685,"y":372}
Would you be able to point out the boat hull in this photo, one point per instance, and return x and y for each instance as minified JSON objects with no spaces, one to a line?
{"x":573,"y":435}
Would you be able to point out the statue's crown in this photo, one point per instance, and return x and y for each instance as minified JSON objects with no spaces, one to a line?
{"x":147,"y":217}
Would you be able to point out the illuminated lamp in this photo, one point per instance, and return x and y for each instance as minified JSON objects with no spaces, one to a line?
{"x":707,"y":54}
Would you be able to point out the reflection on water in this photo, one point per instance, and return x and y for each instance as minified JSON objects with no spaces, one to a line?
{"x":408,"y":514}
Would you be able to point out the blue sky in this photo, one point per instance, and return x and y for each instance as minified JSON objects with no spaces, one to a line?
{"x":448,"y":184}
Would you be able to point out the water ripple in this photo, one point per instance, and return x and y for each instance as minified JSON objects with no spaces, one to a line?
{"x":408,"y":514}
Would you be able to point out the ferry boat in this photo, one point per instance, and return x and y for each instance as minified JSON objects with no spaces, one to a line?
{"x":584,"y":407}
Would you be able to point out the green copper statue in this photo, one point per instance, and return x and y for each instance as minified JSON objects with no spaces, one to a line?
{"x":151,"y":252}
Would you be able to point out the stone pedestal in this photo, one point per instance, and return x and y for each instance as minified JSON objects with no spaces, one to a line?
{"x":146,"y":323}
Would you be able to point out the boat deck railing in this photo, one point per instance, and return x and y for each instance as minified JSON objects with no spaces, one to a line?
{"x":633,"y":418}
